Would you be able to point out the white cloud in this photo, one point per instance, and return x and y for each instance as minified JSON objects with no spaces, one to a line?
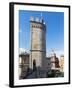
{"x":22,"y":50}
{"x":48,"y":54}
{"x":58,"y":53}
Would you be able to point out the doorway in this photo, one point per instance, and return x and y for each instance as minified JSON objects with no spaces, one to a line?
{"x":34,"y":65}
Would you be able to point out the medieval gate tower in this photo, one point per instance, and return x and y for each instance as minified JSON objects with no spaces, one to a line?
{"x":37,"y":43}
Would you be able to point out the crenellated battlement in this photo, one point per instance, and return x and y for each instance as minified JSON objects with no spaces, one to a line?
{"x":37,"y":23}
{"x":41,"y":20}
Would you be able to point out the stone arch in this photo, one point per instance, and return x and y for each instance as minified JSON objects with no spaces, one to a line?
{"x":34,"y":64}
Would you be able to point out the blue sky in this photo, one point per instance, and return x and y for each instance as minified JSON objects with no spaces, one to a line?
{"x":54,"y":29}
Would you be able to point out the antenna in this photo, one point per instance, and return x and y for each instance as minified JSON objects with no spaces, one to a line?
{"x":42,"y":18}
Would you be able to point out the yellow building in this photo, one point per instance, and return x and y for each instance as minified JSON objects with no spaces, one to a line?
{"x":61,"y":63}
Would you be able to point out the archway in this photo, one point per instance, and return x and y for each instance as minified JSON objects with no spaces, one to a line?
{"x":34,"y":64}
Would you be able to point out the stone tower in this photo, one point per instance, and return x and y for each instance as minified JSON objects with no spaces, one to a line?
{"x":37,"y":43}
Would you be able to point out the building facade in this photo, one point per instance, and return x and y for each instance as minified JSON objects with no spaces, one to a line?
{"x":52,"y":66}
{"x":23,"y":65}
